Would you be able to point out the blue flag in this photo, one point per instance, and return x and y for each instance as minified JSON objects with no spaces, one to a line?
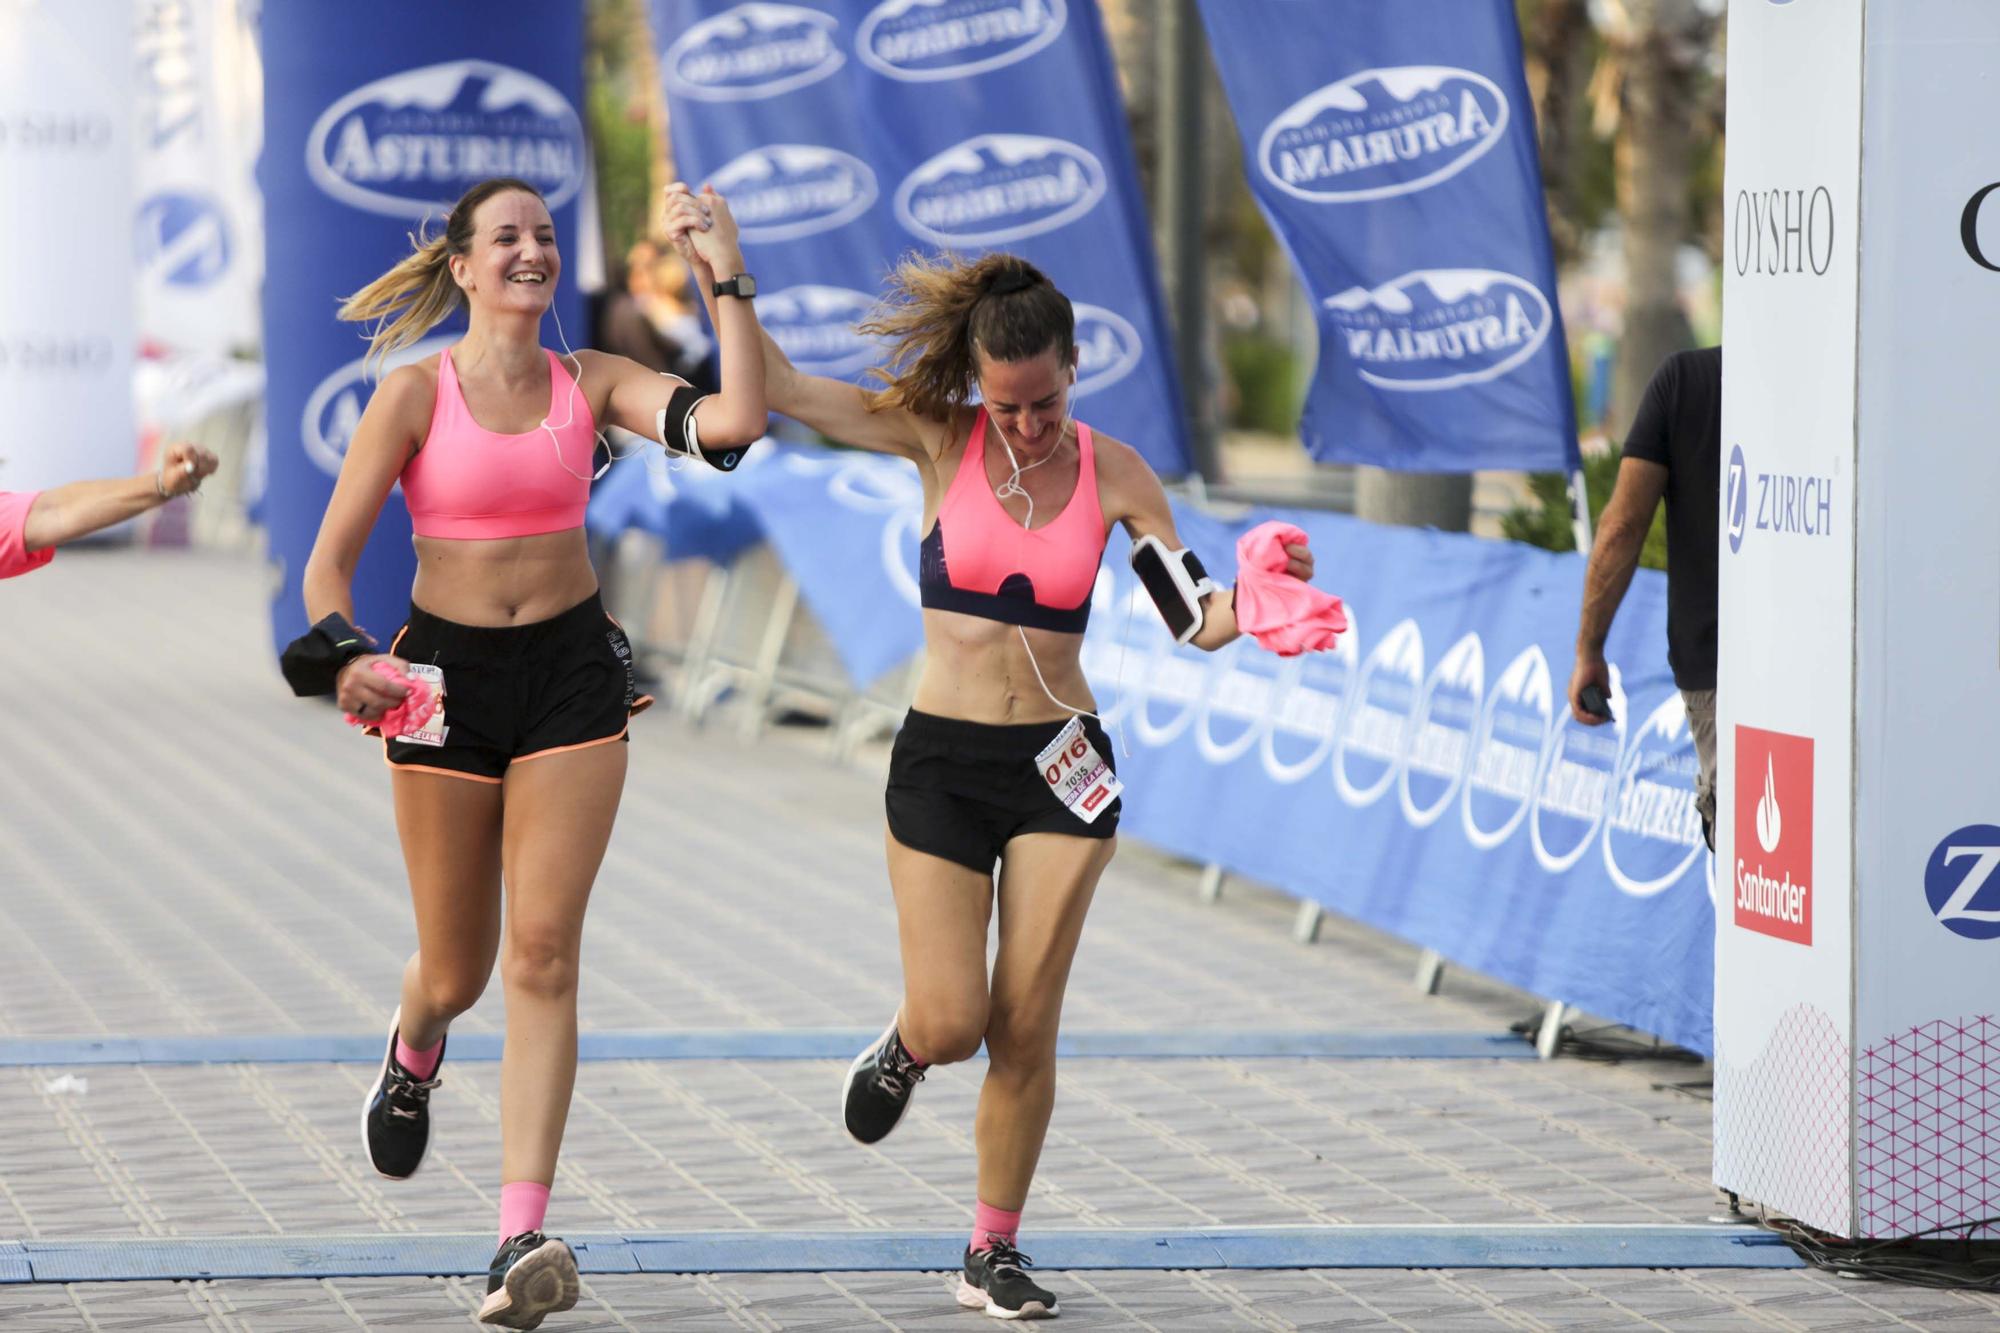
{"x":1393,"y":148}
{"x":847,"y":133}
{"x":371,"y":140}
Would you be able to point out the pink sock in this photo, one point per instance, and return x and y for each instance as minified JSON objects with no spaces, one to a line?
{"x":990,"y":1224}
{"x":907,"y":1051}
{"x":421,"y":1063}
{"x":523,"y":1206}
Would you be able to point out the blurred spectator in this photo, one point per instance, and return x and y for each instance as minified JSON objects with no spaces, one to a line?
{"x":646,"y":316}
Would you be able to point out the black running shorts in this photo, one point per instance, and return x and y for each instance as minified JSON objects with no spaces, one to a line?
{"x":520,"y":692}
{"x":960,"y":789}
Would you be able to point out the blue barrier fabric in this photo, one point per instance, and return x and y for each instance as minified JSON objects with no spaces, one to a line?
{"x":695,"y":511}
{"x":1393,"y":148}
{"x":1544,"y":1246}
{"x":849,"y":132}
{"x":389,"y":112}
{"x":1425,"y":776}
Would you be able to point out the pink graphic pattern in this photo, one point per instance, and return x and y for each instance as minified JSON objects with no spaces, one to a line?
{"x":1781,"y":1122}
{"x":1930,"y":1128}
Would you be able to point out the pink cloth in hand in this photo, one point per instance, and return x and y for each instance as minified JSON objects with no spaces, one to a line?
{"x":1285,"y":614}
{"x":407,"y":716}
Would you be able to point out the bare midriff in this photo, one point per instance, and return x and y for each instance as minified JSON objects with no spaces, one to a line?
{"x":977,"y":670}
{"x":503,"y":581}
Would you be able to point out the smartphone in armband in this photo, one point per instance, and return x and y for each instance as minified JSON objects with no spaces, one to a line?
{"x":1175,"y":589}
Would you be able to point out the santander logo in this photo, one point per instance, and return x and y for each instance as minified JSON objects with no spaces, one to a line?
{"x":1770,"y":819}
{"x":1773,"y":893}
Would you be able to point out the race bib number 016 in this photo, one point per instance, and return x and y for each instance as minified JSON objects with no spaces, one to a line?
{"x":1078,"y":774}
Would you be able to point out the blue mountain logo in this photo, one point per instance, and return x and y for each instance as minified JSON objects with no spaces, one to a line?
{"x":1382,"y":132}
{"x":410,"y":144}
{"x":922,"y":41}
{"x":814,"y":326}
{"x":1440,"y":328}
{"x":752,"y":51}
{"x":1107,"y":348}
{"x":783,"y":191}
{"x":996,"y":188}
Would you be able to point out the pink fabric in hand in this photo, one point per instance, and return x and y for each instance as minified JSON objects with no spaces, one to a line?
{"x":407,"y":716}
{"x":1285,"y":614}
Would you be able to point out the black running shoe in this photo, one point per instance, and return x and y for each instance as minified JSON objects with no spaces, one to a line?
{"x":995,"y":1282}
{"x":878,"y":1088}
{"x":532,"y":1276}
{"x":396,"y":1115}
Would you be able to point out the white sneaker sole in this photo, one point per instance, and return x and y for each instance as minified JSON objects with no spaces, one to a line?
{"x":861,"y":1062}
{"x":395,"y":1021}
{"x":542,"y":1282}
{"x":972,"y":1298}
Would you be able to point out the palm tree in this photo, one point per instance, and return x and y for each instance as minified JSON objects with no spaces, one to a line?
{"x":1650,"y":92}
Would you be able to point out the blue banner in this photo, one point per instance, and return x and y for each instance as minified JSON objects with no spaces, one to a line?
{"x":1393,"y":148}
{"x":849,"y":132}
{"x":846,"y":526}
{"x":388,"y":113}
{"x":695,"y":511}
{"x":1425,"y":777}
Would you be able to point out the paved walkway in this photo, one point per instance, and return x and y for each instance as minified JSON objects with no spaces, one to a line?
{"x":186,"y":851}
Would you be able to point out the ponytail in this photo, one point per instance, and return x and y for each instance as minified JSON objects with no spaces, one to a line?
{"x":419,"y":293}
{"x":942,"y":311}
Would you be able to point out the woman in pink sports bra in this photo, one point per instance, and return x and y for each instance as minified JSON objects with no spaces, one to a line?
{"x":1018,"y":500}
{"x":511,"y":787}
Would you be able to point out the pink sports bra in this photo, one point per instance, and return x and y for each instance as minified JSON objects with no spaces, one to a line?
{"x":468,"y":482}
{"x":1038,"y":577}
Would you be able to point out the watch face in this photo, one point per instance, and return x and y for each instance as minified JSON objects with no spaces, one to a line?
{"x":746,"y":286}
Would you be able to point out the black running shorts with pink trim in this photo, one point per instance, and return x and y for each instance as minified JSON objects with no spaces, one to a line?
{"x":961,"y":790}
{"x":520,"y":692}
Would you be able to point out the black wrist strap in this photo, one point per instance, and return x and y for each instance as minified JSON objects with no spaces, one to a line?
{"x":312,"y":662}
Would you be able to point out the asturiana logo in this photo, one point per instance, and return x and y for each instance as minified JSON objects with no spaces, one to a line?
{"x":410,"y":144}
{"x":1961,"y":883}
{"x":183,"y":239}
{"x":995,"y":188}
{"x":752,"y":51}
{"x":814,"y":326}
{"x":1441,"y":328}
{"x":1441,"y":730}
{"x":783,"y":191}
{"x":1514,"y":731}
{"x":1375,"y":741}
{"x":1652,"y":833}
{"x":333,"y":409}
{"x":1107,"y":347}
{"x":1382,"y":132}
{"x":926,"y":40}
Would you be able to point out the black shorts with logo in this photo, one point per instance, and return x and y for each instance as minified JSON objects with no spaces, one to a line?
{"x":961,"y":789}
{"x":518,"y":692}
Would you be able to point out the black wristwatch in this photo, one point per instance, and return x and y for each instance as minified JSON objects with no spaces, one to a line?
{"x":742,"y":285}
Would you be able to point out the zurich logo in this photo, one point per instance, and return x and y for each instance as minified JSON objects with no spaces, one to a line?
{"x":1507,"y":749}
{"x":1107,"y":348}
{"x":783,"y":191}
{"x":1737,"y":483}
{"x":752,"y":51}
{"x":814,"y":326}
{"x":334,"y":409}
{"x":410,"y":144}
{"x":183,"y":239}
{"x":996,"y":188}
{"x":1652,"y":833}
{"x":1440,"y":328}
{"x":921,"y":41}
{"x":1382,"y":132}
{"x":1962,"y":882}
{"x":1441,"y":732}
{"x":1375,"y":739}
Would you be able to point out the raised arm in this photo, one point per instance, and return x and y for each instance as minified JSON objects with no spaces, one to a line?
{"x":836,"y":409}
{"x":64,"y":513}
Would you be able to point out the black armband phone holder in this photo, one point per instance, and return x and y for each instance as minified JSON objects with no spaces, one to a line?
{"x":311,"y":663}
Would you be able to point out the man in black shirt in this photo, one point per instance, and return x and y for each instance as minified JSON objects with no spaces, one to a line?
{"x":1674,"y":450}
